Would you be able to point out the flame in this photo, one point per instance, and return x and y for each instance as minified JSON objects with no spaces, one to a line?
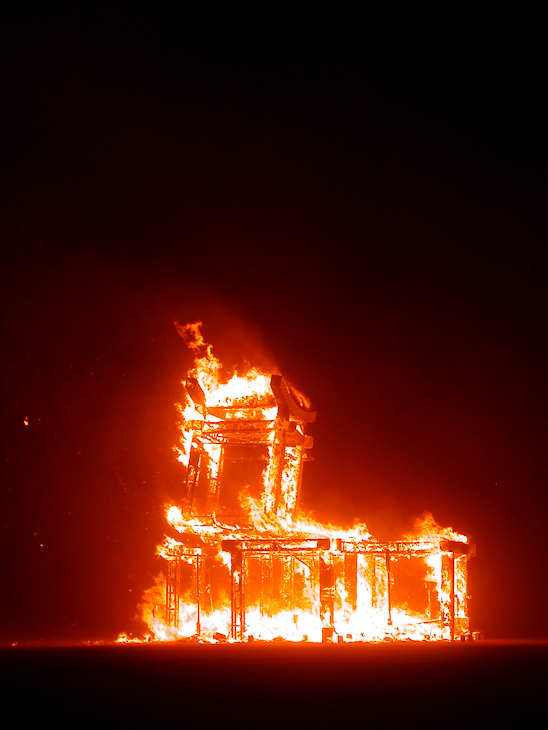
{"x":242,"y":565}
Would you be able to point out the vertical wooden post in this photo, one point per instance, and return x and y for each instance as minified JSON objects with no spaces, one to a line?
{"x":389,"y":587}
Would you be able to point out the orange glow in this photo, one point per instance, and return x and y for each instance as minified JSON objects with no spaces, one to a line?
{"x":242,"y":561}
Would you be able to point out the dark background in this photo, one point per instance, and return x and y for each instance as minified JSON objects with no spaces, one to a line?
{"x":367,"y":212}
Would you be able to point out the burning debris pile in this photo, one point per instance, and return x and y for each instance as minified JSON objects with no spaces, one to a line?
{"x":241,"y":564}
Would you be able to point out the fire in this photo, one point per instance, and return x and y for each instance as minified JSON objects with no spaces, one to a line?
{"x":242,"y":562}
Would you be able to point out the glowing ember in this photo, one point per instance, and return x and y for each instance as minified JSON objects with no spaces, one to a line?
{"x":241,"y":562}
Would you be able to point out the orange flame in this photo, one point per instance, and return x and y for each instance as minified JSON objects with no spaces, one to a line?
{"x":268,"y":571}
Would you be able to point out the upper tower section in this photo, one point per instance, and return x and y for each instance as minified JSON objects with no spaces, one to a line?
{"x":243,"y":442}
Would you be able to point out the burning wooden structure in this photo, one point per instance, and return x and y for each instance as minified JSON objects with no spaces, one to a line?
{"x":242,"y":564}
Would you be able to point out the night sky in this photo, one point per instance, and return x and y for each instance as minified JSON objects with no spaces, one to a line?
{"x":365,"y":212}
